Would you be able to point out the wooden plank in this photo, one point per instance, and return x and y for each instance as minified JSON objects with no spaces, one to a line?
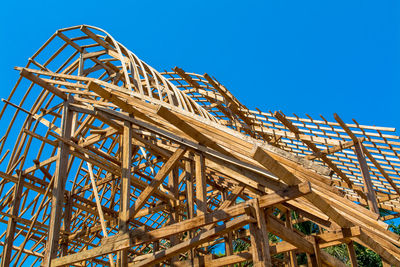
{"x":371,"y":197}
{"x":122,"y":103}
{"x":189,"y":130}
{"x":45,"y":85}
{"x":104,"y":249}
{"x":338,"y":234}
{"x":161,"y":256}
{"x":237,"y":258}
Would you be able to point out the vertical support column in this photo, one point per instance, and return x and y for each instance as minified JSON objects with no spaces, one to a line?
{"x":156,"y":247}
{"x":80,"y":71}
{"x":352,"y":254}
{"x":208,"y":259}
{"x":311,"y":260}
{"x":262,"y":225}
{"x":292,"y":254}
{"x":173,"y":185}
{"x":372,"y":203}
{"x":259,"y":238}
{"x":201,"y":185}
{"x":11,"y":224}
{"x":228,"y":236}
{"x":229,"y":244}
{"x":61,"y":174}
{"x":67,"y":224}
{"x":189,"y":169}
{"x":315,"y":258}
{"x":125,"y":188}
{"x":256,"y":244}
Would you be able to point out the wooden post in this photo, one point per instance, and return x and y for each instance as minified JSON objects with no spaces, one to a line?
{"x":256,"y":243}
{"x":352,"y":254}
{"x":314,"y":259}
{"x":292,"y":254}
{"x":67,"y":223}
{"x":371,"y":198}
{"x":201,"y":185}
{"x":156,"y":247}
{"x":311,"y":260}
{"x":125,"y":187}
{"x":189,"y":169}
{"x":259,"y":237}
{"x":173,"y":185}
{"x":61,"y":173}
{"x":208,"y":259}
{"x":228,"y":237}
{"x":262,"y":226}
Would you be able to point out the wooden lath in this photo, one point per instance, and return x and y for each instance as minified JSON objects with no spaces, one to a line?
{"x":111,"y":162}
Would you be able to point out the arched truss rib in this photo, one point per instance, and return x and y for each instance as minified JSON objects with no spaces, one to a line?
{"x":108,"y":161}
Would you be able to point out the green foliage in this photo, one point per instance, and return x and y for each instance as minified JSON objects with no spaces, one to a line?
{"x":240,"y":245}
{"x":366,"y":257}
{"x":395,"y":228}
{"x":302,"y":259}
{"x":339,"y":251}
{"x":307,"y":227}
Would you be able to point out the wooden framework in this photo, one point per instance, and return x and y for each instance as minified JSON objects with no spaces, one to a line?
{"x":108,"y":162}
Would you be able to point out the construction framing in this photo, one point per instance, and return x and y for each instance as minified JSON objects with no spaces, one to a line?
{"x":108,"y":162}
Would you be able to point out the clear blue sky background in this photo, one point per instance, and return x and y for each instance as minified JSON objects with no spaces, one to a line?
{"x":315,"y":57}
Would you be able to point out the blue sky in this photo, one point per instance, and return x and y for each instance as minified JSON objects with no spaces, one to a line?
{"x":314,"y":57}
